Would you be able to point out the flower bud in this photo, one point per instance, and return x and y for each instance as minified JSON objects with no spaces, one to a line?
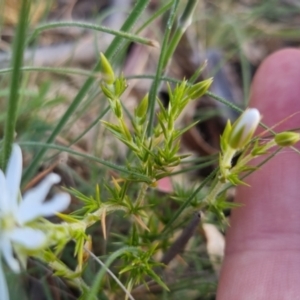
{"x":141,"y":110}
{"x":117,"y":108}
{"x":244,"y":128}
{"x":286,"y":138}
{"x":109,"y":76}
{"x":199,"y":89}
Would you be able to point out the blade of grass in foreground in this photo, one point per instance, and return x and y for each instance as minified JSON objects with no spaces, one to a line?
{"x":17,"y":60}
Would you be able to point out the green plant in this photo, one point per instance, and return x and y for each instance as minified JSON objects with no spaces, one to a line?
{"x":127,"y":196}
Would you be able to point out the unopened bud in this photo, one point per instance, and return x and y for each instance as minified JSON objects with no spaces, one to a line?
{"x":109,"y":75}
{"x":243,"y":128}
{"x":141,"y":110}
{"x":286,"y":138}
{"x":199,"y":89}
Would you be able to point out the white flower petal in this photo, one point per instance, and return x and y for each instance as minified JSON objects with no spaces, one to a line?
{"x":3,"y":286}
{"x":28,"y":238}
{"x":244,"y":128}
{"x":56,"y":204}
{"x":13,"y":174}
{"x":29,"y":207}
{"x":5,"y":207}
{"x":8,"y":255}
{"x":250,"y":120}
{"x":39,"y":193}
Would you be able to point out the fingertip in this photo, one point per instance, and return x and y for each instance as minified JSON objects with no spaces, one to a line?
{"x":266,"y":227}
{"x":264,"y":202}
{"x":275,"y":89}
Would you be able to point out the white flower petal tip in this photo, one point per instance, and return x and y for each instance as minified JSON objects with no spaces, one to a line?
{"x":37,"y":195}
{"x":244,"y":128}
{"x":15,"y":160}
{"x":58,"y":203}
{"x":7,"y":252}
{"x":13,"y":173}
{"x":5,"y":204}
{"x":62,"y":202}
{"x":251,"y":116}
{"x":52,"y":179}
{"x":28,"y":238}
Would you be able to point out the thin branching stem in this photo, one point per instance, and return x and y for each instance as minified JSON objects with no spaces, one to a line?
{"x":87,"y":156}
{"x":189,"y":200}
{"x":54,"y":70}
{"x":142,"y":194}
{"x":119,"y":33}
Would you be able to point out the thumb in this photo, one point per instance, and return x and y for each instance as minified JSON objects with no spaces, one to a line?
{"x":262,"y":259}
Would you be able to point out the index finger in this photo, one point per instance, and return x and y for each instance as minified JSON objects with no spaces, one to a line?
{"x":262,"y":259}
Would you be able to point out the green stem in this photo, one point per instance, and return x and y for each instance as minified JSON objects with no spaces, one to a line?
{"x":183,"y":23}
{"x":54,"y":70}
{"x":110,"y":273}
{"x":210,"y":198}
{"x":122,"y":34}
{"x":160,"y":68}
{"x":109,"y":54}
{"x":97,"y":215}
{"x":207,"y":201}
{"x":142,"y":194}
{"x":17,"y":60}
{"x":224,"y":101}
{"x":133,"y":175}
{"x":155,"y":15}
{"x":188,"y":201}
{"x":72,"y":277}
{"x":227,"y":158}
{"x":245,"y":65}
{"x":167,"y":51}
{"x":95,"y":122}
{"x":244,"y":161}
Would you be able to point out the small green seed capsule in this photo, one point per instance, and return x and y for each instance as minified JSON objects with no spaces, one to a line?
{"x":286,"y":138}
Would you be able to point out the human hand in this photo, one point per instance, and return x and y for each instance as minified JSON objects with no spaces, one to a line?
{"x":262,"y":259}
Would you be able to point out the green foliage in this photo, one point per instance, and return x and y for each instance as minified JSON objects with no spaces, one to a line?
{"x":90,"y":204}
{"x":156,"y":154}
{"x":145,"y":226}
{"x":138,"y":264}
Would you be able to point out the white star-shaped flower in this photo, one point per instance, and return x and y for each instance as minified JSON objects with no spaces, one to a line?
{"x":18,"y":232}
